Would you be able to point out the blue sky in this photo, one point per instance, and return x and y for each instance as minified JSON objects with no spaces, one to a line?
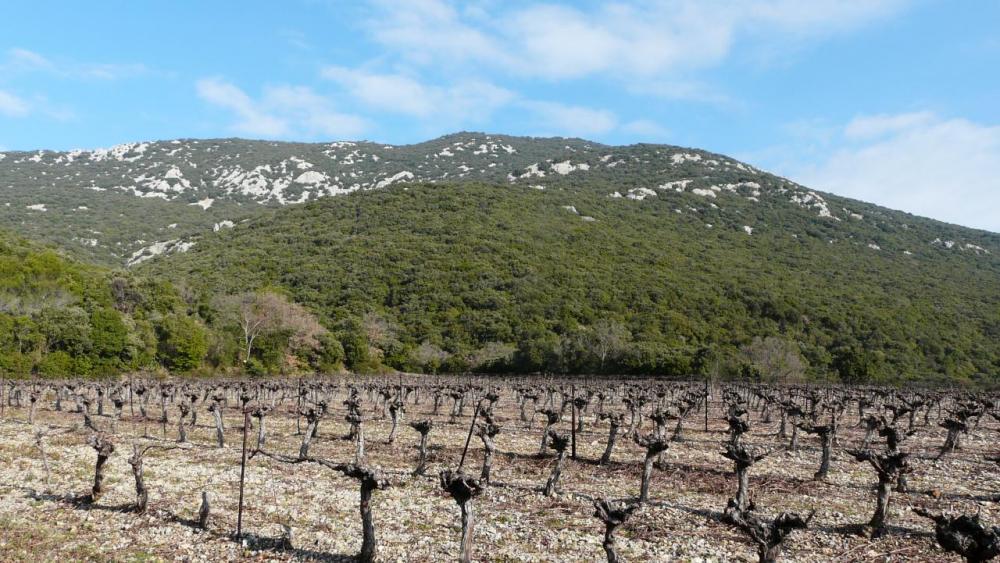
{"x":889,"y":101}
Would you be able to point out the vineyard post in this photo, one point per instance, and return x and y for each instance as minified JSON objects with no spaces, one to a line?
{"x":573,"y":421}
{"x":3,"y":384}
{"x":465,"y":450}
{"x":706,"y":403}
{"x":243,"y":469}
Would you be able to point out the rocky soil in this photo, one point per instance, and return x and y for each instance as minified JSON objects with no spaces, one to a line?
{"x":416,"y":521}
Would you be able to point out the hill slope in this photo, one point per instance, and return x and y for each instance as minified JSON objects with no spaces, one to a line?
{"x":123,"y":205}
{"x":512,"y":253}
{"x":60,"y":317}
{"x":516,"y":278}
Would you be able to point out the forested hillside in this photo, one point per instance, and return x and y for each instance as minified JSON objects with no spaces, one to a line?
{"x":61,"y":318}
{"x":477,"y":276}
{"x":476,"y":252}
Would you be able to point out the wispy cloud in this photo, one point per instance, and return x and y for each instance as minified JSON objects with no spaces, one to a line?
{"x":397,"y":93}
{"x":281,"y":112}
{"x":921,"y":162}
{"x":12,"y":106}
{"x":647,"y":130}
{"x":624,"y":40}
{"x":572,"y":120}
{"x":19,"y":60}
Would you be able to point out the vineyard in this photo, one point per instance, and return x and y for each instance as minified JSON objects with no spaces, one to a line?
{"x":426,"y":468}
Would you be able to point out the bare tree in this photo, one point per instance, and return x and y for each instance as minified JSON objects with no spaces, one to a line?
{"x":964,"y":535}
{"x":487,"y":430}
{"x":888,"y":467}
{"x":104,"y":447}
{"x":423,"y":427}
{"x":615,"y":420}
{"x":654,"y":446}
{"x":778,"y":359}
{"x":559,"y":443}
{"x":825,"y":433}
{"x":610,"y":338}
{"x":220,"y":431}
{"x":613,"y":515}
{"x":463,"y":489}
{"x":551,"y":417}
{"x":743,"y":458}
{"x":769,"y":536}
{"x":257,"y":314}
{"x":396,"y":409}
{"x":312,"y":416}
{"x":370,"y":480}
{"x":136,"y":461}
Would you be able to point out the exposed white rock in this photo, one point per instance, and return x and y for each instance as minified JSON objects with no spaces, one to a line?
{"x":748,"y":229}
{"x":813,"y":200}
{"x":682,"y":157}
{"x":226,"y":224}
{"x":975,"y":247}
{"x":204,"y":203}
{"x":119,"y":152}
{"x":640,"y":194}
{"x":676,"y":185}
{"x":157,"y":248}
{"x":398,"y":177}
{"x":312,"y":177}
{"x":174,"y":172}
{"x":37,"y":207}
{"x":566,"y":167}
{"x":302,"y":164}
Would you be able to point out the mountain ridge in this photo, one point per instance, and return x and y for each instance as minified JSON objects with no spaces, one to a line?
{"x":511,"y":254}
{"x":127,"y":203}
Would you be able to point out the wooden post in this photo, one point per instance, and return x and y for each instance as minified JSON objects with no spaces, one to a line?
{"x":706,"y":403}
{"x":243,"y":469}
{"x":573,"y":419}
{"x":469,"y":437}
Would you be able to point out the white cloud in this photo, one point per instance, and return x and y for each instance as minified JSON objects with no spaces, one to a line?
{"x":392,"y":92}
{"x":945,"y":168}
{"x":562,"y":119}
{"x":431,"y":31}
{"x":648,"y":130}
{"x":282,"y":111}
{"x":12,"y":106}
{"x":27,"y":60}
{"x":867,"y":127}
{"x":627,"y":40}
{"x":24,"y":60}
{"x":311,"y":112}
{"x":252,"y":120}
{"x":470,"y":101}
{"x":402,"y":94}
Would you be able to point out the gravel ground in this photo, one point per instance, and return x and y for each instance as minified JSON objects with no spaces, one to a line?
{"x":415,"y":521}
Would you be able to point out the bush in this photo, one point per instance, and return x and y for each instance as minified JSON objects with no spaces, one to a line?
{"x":183,"y":343}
